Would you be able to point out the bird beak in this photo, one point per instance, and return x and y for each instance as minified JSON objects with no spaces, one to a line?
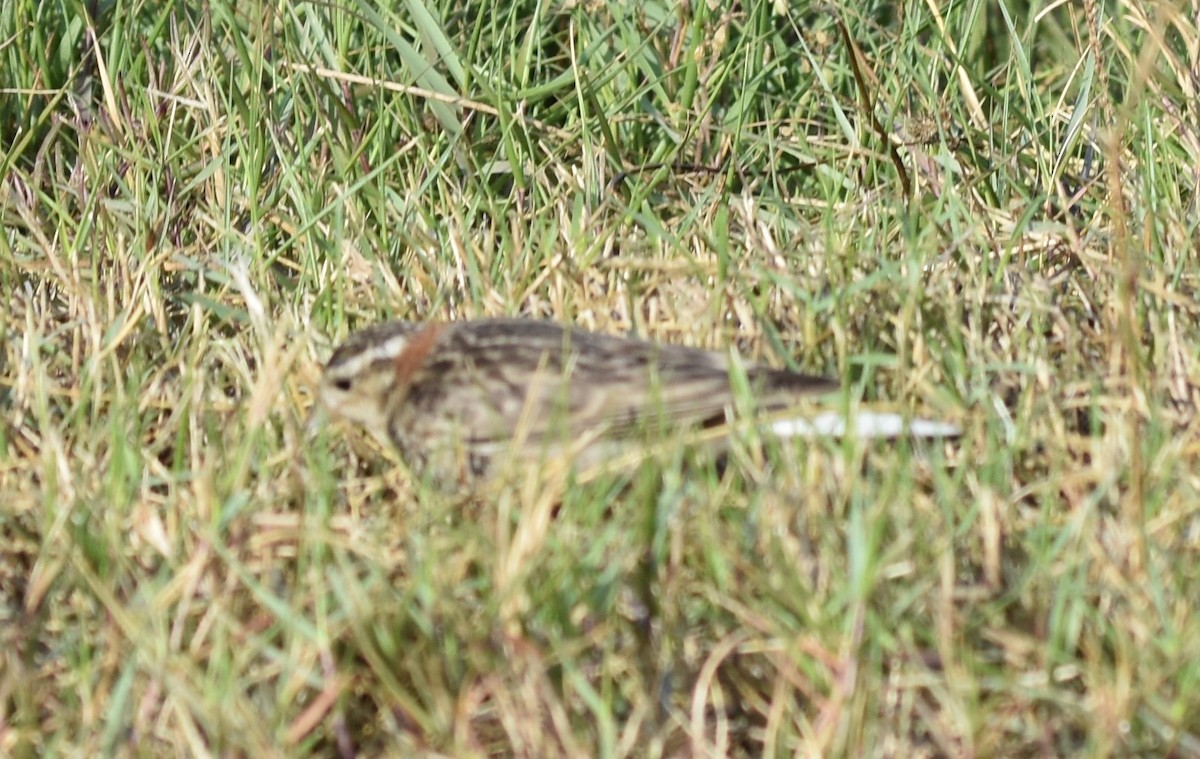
{"x":317,"y":418}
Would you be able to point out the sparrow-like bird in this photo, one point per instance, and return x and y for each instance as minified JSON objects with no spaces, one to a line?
{"x":453,"y":398}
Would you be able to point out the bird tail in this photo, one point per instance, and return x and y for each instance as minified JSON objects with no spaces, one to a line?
{"x":862,"y":425}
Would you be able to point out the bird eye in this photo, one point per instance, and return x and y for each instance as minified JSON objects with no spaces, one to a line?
{"x":342,"y":384}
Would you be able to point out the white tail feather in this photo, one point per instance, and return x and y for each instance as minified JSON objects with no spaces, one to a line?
{"x":862,"y":424}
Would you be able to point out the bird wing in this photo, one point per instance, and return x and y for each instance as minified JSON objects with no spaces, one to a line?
{"x":539,"y":382}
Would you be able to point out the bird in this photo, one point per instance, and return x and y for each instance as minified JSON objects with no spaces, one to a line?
{"x":456,"y":399}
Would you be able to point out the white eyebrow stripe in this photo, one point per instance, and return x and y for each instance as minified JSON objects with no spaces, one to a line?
{"x":386,"y":350}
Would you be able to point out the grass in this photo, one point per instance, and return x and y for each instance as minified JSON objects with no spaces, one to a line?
{"x":986,"y":213}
